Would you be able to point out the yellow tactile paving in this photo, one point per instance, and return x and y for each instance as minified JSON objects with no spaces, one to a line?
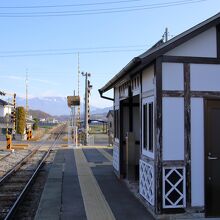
{"x":96,"y":206}
{"x":105,"y":154}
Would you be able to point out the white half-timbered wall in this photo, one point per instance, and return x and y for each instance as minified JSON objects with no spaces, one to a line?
{"x":148,"y":79}
{"x":203,"y":77}
{"x":203,"y":45}
{"x":148,"y":85}
{"x":172,"y":76}
{"x":197,"y":151}
{"x":173,"y":128}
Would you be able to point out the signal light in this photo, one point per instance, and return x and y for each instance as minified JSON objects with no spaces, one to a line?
{"x":13,"y":116}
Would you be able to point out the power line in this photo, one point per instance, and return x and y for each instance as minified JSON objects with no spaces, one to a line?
{"x":105,"y":9}
{"x":79,"y":49}
{"x":68,"y":5}
{"x":70,"y":53}
{"x":101,"y":11}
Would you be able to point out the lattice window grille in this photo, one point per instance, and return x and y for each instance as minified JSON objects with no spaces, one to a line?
{"x":115,"y":161}
{"x":146,"y":182}
{"x":174,"y":187}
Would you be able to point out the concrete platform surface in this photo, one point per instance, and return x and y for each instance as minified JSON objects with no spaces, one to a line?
{"x":81,"y":185}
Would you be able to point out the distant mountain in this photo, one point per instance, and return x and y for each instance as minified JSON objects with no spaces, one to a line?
{"x":38,"y":114}
{"x":55,"y":105}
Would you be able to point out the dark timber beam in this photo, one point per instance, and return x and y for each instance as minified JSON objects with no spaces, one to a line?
{"x":187,"y":132}
{"x":174,"y":93}
{"x":198,"y":60}
{"x":158,"y":140}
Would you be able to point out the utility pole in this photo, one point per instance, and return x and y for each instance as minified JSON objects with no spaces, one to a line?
{"x":26,"y":84}
{"x":86,"y":122}
{"x":165,"y":35}
{"x":78,"y":113}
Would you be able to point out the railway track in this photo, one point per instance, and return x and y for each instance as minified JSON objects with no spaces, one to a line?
{"x":16,"y":183}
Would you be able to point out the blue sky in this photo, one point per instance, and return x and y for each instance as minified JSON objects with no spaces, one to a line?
{"x":56,"y":75}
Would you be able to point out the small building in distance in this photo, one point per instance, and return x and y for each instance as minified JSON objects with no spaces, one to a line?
{"x":167,"y":122}
{"x":5,"y":108}
{"x":110,"y":126}
{"x":5,"y":118}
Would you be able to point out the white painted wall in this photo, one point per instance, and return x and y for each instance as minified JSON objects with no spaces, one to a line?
{"x":144,"y":151}
{"x":205,"y":77}
{"x":173,"y":128}
{"x":197,"y":151}
{"x":203,"y":45}
{"x":172,"y":76}
{"x":148,"y":79}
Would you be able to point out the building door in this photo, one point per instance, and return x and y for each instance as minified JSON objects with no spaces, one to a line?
{"x":212,"y":158}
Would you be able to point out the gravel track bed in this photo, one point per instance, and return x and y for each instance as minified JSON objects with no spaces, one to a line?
{"x":29,"y":205}
{"x":7,"y":163}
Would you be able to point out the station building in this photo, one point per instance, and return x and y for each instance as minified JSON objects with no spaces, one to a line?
{"x":167,"y":122}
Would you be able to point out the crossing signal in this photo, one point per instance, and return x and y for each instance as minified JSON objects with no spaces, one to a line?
{"x":13,"y":116}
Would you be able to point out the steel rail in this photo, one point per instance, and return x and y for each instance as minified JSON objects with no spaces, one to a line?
{"x":20,"y":163}
{"x":29,"y":183}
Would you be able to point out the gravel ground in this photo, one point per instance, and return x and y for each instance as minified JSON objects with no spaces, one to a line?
{"x":7,"y":163}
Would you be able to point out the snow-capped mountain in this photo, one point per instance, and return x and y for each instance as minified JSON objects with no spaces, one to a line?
{"x":54,"y":105}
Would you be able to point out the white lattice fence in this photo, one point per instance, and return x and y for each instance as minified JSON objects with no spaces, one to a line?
{"x":115,"y":161}
{"x":146,"y":183}
{"x":174,"y":189}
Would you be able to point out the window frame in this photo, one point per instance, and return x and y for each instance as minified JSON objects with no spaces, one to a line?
{"x":147,"y":121}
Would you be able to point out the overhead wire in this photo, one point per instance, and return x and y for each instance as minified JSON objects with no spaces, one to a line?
{"x":79,"y":49}
{"x":69,"y":5}
{"x":99,"y":11}
{"x":70,"y":53}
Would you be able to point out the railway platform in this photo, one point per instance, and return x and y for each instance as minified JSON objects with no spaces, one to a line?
{"x":81,"y":185}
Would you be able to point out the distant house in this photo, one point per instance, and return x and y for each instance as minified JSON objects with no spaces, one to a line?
{"x":5,"y":118}
{"x":167,"y":122}
{"x":5,"y":108}
{"x":110,"y":124}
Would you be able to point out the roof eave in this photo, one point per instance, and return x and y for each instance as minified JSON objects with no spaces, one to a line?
{"x":132,"y":64}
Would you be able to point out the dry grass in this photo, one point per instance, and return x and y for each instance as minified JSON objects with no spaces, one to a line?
{"x":39,"y":134}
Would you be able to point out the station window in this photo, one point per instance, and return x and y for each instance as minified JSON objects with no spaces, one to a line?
{"x":148,"y":126}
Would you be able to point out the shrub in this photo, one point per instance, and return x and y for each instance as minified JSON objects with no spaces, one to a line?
{"x":20,"y":120}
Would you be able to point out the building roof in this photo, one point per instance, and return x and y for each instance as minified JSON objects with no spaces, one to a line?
{"x":110,"y":112}
{"x":143,"y":60}
{"x":4,"y":103}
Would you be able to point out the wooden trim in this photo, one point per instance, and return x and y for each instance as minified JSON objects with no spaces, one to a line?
{"x":148,"y":93}
{"x":130,"y":99}
{"x":187,"y":132}
{"x":171,"y":163}
{"x":147,"y":160}
{"x":141,"y":120}
{"x":121,"y":150}
{"x":204,"y":94}
{"x":205,"y":152}
{"x":218,"y":40}
{"x":158,"y":136}
{"x":174,"y":93}
{"x":184,"y":59}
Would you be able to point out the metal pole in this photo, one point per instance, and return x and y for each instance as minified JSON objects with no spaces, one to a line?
{"x":166,"y":34}
{"x":86,"y":109}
